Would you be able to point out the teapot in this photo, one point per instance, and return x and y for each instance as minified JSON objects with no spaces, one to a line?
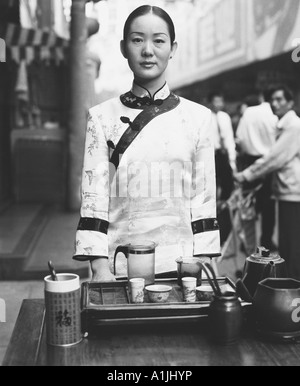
{"x":259,"y":266}
{"x":140,"y":260}
{"x":276,"y":307}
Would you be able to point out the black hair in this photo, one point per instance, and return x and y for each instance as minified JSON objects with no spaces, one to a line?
{"x":264,"y":92}
{"x":214,"y":95}
{"x":251,"y":100}
{"x":144,"y":10}
{"x":287,"y":92}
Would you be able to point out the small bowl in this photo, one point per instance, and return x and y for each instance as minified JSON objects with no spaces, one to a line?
{"x":158,"y":293}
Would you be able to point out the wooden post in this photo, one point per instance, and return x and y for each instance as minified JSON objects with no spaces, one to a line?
{"x":78,"y":114}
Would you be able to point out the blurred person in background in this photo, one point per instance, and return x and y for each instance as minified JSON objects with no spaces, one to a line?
{"x":250,"y":100}
{"x":283,"y":160}
{"x":255,"y":136}
{"x":225,"y":158}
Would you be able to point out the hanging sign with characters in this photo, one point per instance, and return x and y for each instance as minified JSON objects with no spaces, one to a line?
{"x":276,"y":25}
{"x":211,"y":43}
{"x":234,"y":33}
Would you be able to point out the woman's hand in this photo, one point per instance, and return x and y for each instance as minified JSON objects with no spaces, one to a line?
{"x":101,"y":271}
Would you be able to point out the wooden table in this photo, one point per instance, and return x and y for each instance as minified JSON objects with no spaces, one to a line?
{"x":170,"y":345}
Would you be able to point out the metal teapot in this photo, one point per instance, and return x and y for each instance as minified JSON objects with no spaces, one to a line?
{"x":260,"y":265}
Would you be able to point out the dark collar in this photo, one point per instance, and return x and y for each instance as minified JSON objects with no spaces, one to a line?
{"x":139,"y":97}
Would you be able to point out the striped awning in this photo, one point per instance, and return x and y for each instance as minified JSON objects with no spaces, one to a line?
{"x":30,"y":44}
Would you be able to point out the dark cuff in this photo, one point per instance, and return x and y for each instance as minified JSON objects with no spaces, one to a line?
{"x":211,"y":255}
{"x":205,"y":225}
{"x":88,"y":257}
{"x":93,"y":224}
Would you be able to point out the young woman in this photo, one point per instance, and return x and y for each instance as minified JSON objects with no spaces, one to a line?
{"x":149,"y":169}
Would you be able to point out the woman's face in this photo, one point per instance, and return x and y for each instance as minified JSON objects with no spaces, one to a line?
{"x":148,"y":48}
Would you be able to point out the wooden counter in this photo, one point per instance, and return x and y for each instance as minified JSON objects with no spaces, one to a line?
{"x":170,"y":345}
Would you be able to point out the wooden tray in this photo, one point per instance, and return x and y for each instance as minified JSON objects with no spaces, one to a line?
{"x":109,"y":304}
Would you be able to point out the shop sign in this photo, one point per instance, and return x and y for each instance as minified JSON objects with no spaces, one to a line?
{"x":276,"y":25}
{"x":235,"y":33}
{"x":219,"y":33}
{"x":212,"y":43}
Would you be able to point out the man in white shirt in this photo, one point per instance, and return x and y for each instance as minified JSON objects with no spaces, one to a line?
{"x":256,"y":130}
{"x":225,"y":156}
{"x":283,"y":160}
{"x":256,"y":134}
{"x":222,"y":129}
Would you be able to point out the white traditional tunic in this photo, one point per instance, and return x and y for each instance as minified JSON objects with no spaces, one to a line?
{"x":163,"y":189}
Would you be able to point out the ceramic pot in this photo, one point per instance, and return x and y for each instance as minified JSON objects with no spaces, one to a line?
{"x":276,"y":305}
{"x":225,"y":318}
